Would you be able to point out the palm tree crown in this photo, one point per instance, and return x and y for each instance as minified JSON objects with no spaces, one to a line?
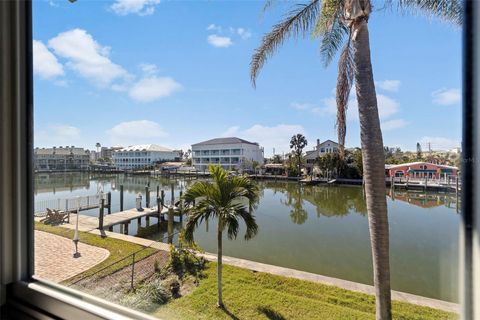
{"x":332,"y":22}
{"x":223,"y":200}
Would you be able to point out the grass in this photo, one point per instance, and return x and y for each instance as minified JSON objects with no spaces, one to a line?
{"x":118,"y":249}
{"x":256,"y":295}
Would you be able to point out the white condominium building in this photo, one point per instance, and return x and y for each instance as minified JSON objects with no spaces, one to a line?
{"x":141,"y":156}
{"x":230,"y":153}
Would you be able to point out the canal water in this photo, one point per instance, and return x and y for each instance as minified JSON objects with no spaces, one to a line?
{"x":319,"y":229}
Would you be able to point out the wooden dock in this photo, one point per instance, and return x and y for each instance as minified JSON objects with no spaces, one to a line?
{"x":88,"y":223}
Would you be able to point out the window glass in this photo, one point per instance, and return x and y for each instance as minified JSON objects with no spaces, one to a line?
{"x":148,"y":129}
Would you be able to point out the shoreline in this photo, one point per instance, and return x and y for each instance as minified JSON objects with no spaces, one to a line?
{"x":290,"y":273}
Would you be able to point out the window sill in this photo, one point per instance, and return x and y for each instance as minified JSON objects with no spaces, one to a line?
{"x":43,"y":299}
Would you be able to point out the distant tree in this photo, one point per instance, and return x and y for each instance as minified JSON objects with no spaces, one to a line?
{"x":255,"y":165}
{"x":357,"y":162}
{"x":277,"y":159}
{"x":297,"y":143}
{"x":419,"y":151}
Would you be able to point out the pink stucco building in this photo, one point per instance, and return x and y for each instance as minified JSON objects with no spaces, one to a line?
{"x":420,"y":170}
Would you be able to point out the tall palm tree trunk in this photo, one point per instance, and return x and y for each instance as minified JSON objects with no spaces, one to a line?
{"x":373,"y":169}
{"x":219,"y":267}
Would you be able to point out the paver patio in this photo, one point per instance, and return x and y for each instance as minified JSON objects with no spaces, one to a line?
{"x":54,"y":259}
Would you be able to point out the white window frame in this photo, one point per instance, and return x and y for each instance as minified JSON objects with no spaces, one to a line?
{"x":25,"y":297}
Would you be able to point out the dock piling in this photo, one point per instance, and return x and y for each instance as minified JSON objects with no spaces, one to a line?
{"x":109,"y":202}
{"x":100,"y":218}
{"x":147,"y":197}
{"x":180,"y":207}
{"x":121,"y":197}
{"x":170,"y":225}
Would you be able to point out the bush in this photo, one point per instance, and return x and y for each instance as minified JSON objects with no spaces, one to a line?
{"x":184,"y":261}
{"x":148,"y":297}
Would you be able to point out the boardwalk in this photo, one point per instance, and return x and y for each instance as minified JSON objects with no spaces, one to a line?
{"x":72,"y":204}
{"x":89,"y":223}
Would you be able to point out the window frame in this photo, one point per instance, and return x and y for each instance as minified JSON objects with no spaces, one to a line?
{"x":20,"y":294}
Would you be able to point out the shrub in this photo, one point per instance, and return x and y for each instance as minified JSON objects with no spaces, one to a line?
{"x":147,"y":297}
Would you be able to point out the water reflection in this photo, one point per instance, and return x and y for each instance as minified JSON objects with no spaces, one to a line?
{"x":320,"y":229}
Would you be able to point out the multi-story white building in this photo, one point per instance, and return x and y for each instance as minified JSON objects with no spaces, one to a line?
{"x":231,"y":153}
{"x":141,"y":156}
{"x":61,"y":158}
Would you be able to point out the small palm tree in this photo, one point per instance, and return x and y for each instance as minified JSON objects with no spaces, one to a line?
{"x":222,"y":200}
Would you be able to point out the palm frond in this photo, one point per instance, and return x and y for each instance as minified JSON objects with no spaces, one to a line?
{"x":197,"y":190}
{"x":195,"y":218}
{"x":330,"y":29}
{"x":449,"y":10}
{"x":231,"y":223}
{"x":250,"y":223}
{"x":344,"y":85}
{"x":298,"y":22}
{"x":332,"y":40}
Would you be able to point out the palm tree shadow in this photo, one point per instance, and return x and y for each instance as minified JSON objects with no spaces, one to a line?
{"x":270,"y":313}
{"x":230,"y":314}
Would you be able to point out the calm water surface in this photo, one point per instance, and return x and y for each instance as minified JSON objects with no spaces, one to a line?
{"x":319,"y":229}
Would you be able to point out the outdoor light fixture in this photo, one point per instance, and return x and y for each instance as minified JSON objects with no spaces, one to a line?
{"x":76,"y":237}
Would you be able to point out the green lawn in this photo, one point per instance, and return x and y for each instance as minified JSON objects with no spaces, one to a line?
{"x":256,"y":295}
{"x":118,"y":249}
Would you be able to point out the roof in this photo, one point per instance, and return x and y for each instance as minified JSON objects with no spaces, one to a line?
{"x":393,"y":166}
{"x":145,"y":147}
{"x":60,"y":151}
{"x":227,"y":140}
{"x":328,"y":140}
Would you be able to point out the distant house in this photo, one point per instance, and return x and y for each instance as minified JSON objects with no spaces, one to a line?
{"x":231,"y":153}
{"x":141,"y":156}
{"x":420,"y":170}
{"x":327,"y":146}
{"x":61,"y":158}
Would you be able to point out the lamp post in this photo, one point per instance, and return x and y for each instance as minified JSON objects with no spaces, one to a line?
{"x":76,"y":237}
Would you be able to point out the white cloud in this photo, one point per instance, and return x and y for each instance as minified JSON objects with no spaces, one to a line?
{"x":87,"y":57}
{"x":389,"y":85}
{"x":301,"y":106}
{"x":214,"y":27}
{"x":386,"y":107}
{"x":439,"y":143}
{"x":139,"y":7}
{"x":219,"y":41}
{"x":446,"y":96}
{"x":277,"y":137}
{"x":393,"y":124}
{"x":153,"y":88}
{"x":231,"y":131}
{"x":136,"y":132}
{"x":57,"y":135}
{"x":65,"y":131}
{"x":148,"y":68}
{"x":45,"y":64}
{"x":243,"y":33}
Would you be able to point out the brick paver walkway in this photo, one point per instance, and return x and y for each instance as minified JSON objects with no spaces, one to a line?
{"x":54,"y":259}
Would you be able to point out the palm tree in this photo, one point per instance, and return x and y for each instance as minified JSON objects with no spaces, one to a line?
{"x":344,"y":23}
{"x":221,"y":200}
{"x":297,"y":143}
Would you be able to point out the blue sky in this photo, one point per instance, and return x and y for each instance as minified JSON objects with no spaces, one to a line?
{"x":177,"y":72}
